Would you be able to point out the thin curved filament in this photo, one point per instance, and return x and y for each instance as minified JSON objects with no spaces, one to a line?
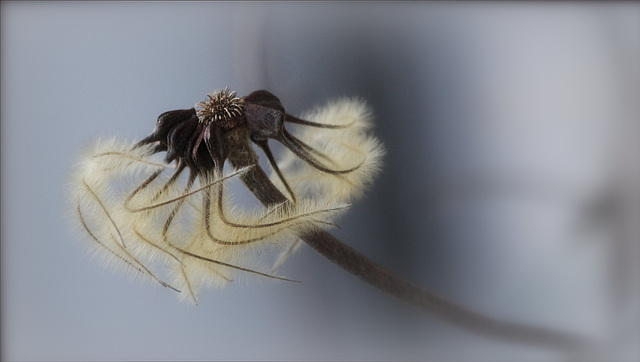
{"x":132,"y":261}
{"x":296,"y":120}
{"x":300,"y":149}
{"x":223,"y":218}
{"x":178,"y":198}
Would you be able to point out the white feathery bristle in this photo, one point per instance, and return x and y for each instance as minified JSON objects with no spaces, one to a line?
{"x":95,"y":200}
{"x":352,"y":112}
{"x":131,"y":229}
{"x":345,"y":147}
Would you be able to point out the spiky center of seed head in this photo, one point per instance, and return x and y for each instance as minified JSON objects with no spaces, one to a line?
{"x":223,"y":108}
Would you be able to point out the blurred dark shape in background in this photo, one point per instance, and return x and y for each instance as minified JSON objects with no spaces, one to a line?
{"x":513,"y":140}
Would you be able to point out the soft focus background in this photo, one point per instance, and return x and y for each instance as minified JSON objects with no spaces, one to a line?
{"x":510,"y":183}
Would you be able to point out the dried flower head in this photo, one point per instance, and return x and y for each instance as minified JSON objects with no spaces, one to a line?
{"x":170,"y":219}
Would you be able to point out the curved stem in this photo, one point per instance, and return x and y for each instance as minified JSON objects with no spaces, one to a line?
{"x":367,"y":270}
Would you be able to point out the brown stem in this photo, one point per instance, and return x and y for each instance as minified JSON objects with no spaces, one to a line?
{"x":367,"y":270}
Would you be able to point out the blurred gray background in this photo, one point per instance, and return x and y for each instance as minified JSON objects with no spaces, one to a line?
{"x":510,"y":183}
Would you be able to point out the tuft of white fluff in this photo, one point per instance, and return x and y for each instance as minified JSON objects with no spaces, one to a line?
{"x":344,"y":148}
{"x":118,"y":206}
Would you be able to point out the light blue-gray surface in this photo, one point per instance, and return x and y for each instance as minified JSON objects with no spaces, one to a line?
{"x":502,"y":123}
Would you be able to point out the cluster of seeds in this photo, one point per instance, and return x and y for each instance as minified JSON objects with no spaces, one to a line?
{"x":222,"y":107}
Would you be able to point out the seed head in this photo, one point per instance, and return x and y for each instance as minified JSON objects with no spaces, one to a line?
{"x":222,"y":107}
{"x":174,"y":221}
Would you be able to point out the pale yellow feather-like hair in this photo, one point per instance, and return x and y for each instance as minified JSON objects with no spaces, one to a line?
{"x":345,"y":147}
{"x":187,"y":232}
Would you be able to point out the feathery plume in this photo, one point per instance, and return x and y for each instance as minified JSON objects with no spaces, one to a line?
{"x":171,"y":220}
{"x":181,"y":233}
{"x":345,"y":145}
